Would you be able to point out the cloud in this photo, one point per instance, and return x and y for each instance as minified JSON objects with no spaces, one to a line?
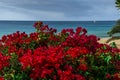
{"x":9,"y":12}
{"x":58,"y":9}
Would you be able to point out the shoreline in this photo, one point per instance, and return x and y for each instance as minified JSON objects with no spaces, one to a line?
{"x":104,"y":41}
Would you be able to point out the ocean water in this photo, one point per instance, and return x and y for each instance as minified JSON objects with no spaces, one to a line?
{"x":98,"y":28}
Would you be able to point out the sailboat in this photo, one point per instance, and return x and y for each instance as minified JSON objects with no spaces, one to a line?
{"x":94,"y":21}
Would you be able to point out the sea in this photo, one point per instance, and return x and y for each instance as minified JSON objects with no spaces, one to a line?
{"x":98,"y":28}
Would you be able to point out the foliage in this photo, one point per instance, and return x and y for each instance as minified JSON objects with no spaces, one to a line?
{"x":68,"y":55}
{"x":115,"y":29}
{"x":117,"y":3}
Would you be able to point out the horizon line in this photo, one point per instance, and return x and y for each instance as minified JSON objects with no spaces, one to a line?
{"x":59,"y":20}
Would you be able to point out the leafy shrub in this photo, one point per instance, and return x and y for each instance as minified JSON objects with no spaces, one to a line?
{"x":117,"y":3}
{"x":68,"y":55}
{"x":115,"y":29}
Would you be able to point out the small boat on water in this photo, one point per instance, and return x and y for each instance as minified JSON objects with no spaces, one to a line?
{"x":94,"y":21}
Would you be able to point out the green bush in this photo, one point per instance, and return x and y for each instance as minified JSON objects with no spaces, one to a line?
{"x":115,"y":29}
{"x":118,"y":4}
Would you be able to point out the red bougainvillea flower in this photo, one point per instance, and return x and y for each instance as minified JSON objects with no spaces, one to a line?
{"x":77,"y":51}
{"x":79,"y":77}
{"x":26,"y":60}
{"x":38,"y":24}
{"x":116,"y":76}
{"x":83,"y":67}
{"x":84,"y":31}
{"x":43,"y":61}
{"x":117,"y":65}
{"x":108,"y":76}
{"x":4,"y":38}
{"x":78,"y":30}
{"x":4,"y":61}
{"x":67,"y":31}
{"x":1,"y":78}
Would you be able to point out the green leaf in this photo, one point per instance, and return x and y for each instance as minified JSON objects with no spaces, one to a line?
{"x":87,"y":73}
{"x":5,"y":51}
{"x":107,"y":59}
{"x":104,"y":47}
{"x":113,"y":45}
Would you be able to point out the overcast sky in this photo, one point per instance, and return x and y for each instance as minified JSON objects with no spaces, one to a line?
{"x":58,"y":10}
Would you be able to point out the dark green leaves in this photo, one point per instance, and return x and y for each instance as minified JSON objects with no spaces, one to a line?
{"x":117,"y":3}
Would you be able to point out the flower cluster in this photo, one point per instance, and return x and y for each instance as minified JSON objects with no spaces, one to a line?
{"x":68,"y":55}
{"x":4,"y":61}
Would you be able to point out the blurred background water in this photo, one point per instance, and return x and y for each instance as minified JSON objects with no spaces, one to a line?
{"x":98,"y":28}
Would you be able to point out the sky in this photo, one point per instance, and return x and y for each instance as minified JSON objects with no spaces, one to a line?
{"x":59,"y":10}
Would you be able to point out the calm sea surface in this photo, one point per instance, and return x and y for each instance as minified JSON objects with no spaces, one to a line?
{"x":99,"y":28}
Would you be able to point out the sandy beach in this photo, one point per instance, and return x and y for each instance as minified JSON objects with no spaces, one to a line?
{"x":104,"y":41}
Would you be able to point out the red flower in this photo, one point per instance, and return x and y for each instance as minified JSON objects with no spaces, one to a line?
{"x":26,"y":60}
{"x":78,"y":30}
{"x":117,"y":65}
{"x":77,"y":51}
{"x":84,"y":31}
{"x":79,"y":77}
{"x":4,"y":61}
{"x":108,"y":76}
{"x":69,"y":31}
{"x":83,"y":67}
{"x":1,"y":78}
{"x":4,"y":38}
{"x":38,"y":24}
{"x":74,"y":52}
{"x":116,"y":76}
